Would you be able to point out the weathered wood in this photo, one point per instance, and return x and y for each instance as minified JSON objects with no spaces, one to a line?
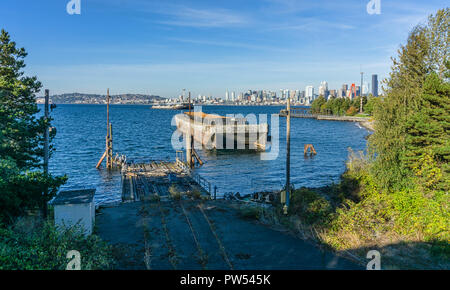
{"x":101,"y":160}
{"x":149,"y":178}
{"x":197,"y":156}
{"x":310,"y":148}
{"x":189,"y":150}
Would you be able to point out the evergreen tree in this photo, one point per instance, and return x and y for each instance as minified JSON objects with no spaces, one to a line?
{"x":404,"y":90}
{"x":20,"y":132}
{"x":22,"y":181}
{"x":427,"y":132}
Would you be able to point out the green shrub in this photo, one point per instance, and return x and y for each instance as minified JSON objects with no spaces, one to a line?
{"x":310,"y":206}
{"x":250,"y":212}
{"x":43,"y":247}
{"x":174,"y":192}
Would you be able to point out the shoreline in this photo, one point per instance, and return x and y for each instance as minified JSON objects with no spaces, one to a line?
{"x":365,"y":122}
{"x":368,"y":124}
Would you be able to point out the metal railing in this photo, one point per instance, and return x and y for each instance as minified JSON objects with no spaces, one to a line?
{"x":205,"y":184}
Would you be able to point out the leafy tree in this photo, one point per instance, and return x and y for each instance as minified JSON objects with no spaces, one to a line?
{"x":372,"y":102}
{"x":21,"y":136}
{"x":351,"y":111}
{"x":404,"y":89}
{"x":317,"y":104}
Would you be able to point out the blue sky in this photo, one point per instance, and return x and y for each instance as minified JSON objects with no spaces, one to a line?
{"x":161,"y":47}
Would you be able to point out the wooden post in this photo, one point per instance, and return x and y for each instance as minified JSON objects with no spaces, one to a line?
{"x":189,"y":140}
{"x":108,"y":135}
{"x":288,"y":153}
{"x":110,"y":146}
{"x":46,"y":148}
{"x":189,"y":149}
{"x":101,"y":160}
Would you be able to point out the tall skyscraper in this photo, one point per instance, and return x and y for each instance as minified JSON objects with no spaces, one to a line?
{"x":309,"y":90}
{"x":375,"y":85}
{"x":227,"y":96}
{"x":323,"y":89}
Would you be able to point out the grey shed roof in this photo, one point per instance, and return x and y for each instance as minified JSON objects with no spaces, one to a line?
{"x":74,"y":197}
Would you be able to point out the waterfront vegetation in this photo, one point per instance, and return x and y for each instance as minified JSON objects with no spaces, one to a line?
{"x":36,"y":244}
{"x":395,"y":196}
{"x":343,"y":106}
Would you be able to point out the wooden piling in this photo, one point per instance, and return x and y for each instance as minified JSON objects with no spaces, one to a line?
{"x":109,"y":149}
{"x":189,"y":150}
{"x":311,"y":149}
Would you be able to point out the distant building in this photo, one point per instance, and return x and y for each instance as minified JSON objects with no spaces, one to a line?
{"x":365,"y":89}
{"x":323,"y":89}
{"x":309,"y":91}
{"x":333,"y":93}
{"x":375,"y":85}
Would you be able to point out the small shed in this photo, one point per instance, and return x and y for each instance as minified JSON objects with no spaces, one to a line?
{"x":75,"y":206}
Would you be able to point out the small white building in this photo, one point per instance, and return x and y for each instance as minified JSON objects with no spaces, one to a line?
{"x":75,"y":207}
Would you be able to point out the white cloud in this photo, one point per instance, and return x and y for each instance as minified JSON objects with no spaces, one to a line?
{"x":193,"y":17}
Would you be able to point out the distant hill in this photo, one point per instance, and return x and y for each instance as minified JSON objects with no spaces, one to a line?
{"x":79,"y":98}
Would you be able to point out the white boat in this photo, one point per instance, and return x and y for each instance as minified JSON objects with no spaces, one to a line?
{"x":181,"y":106}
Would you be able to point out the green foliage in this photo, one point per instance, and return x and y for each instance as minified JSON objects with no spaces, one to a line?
{"x":351,"y":111}
{"x":340,"y":106}
{"x":316,"y":105}
{"x":310,"y":206}
{"x":21,"y":134}
{"x":369,"y":107}
{"x":23,"y":190}
{"x":250,"y":212}
{"x":43,"y":247}
{"x":402,"y":117}
{"x":21,"y":137}
{"x":411,"y":213}
{"x":174,"y":192}
{"x":427,"y":139}
{"x":398,"y":192}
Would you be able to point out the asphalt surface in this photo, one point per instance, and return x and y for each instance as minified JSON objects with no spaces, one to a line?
{"x":195,"y":235}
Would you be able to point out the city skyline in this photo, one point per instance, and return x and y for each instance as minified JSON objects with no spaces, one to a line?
{"x":153,"y":47}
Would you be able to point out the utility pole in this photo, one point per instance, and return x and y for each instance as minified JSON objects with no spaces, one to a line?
{"x":46,"y":148}
{"x":288,"y":153}
{"x":189,"y":139}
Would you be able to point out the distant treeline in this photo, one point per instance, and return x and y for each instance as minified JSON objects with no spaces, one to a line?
{"x":343,"y":106}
